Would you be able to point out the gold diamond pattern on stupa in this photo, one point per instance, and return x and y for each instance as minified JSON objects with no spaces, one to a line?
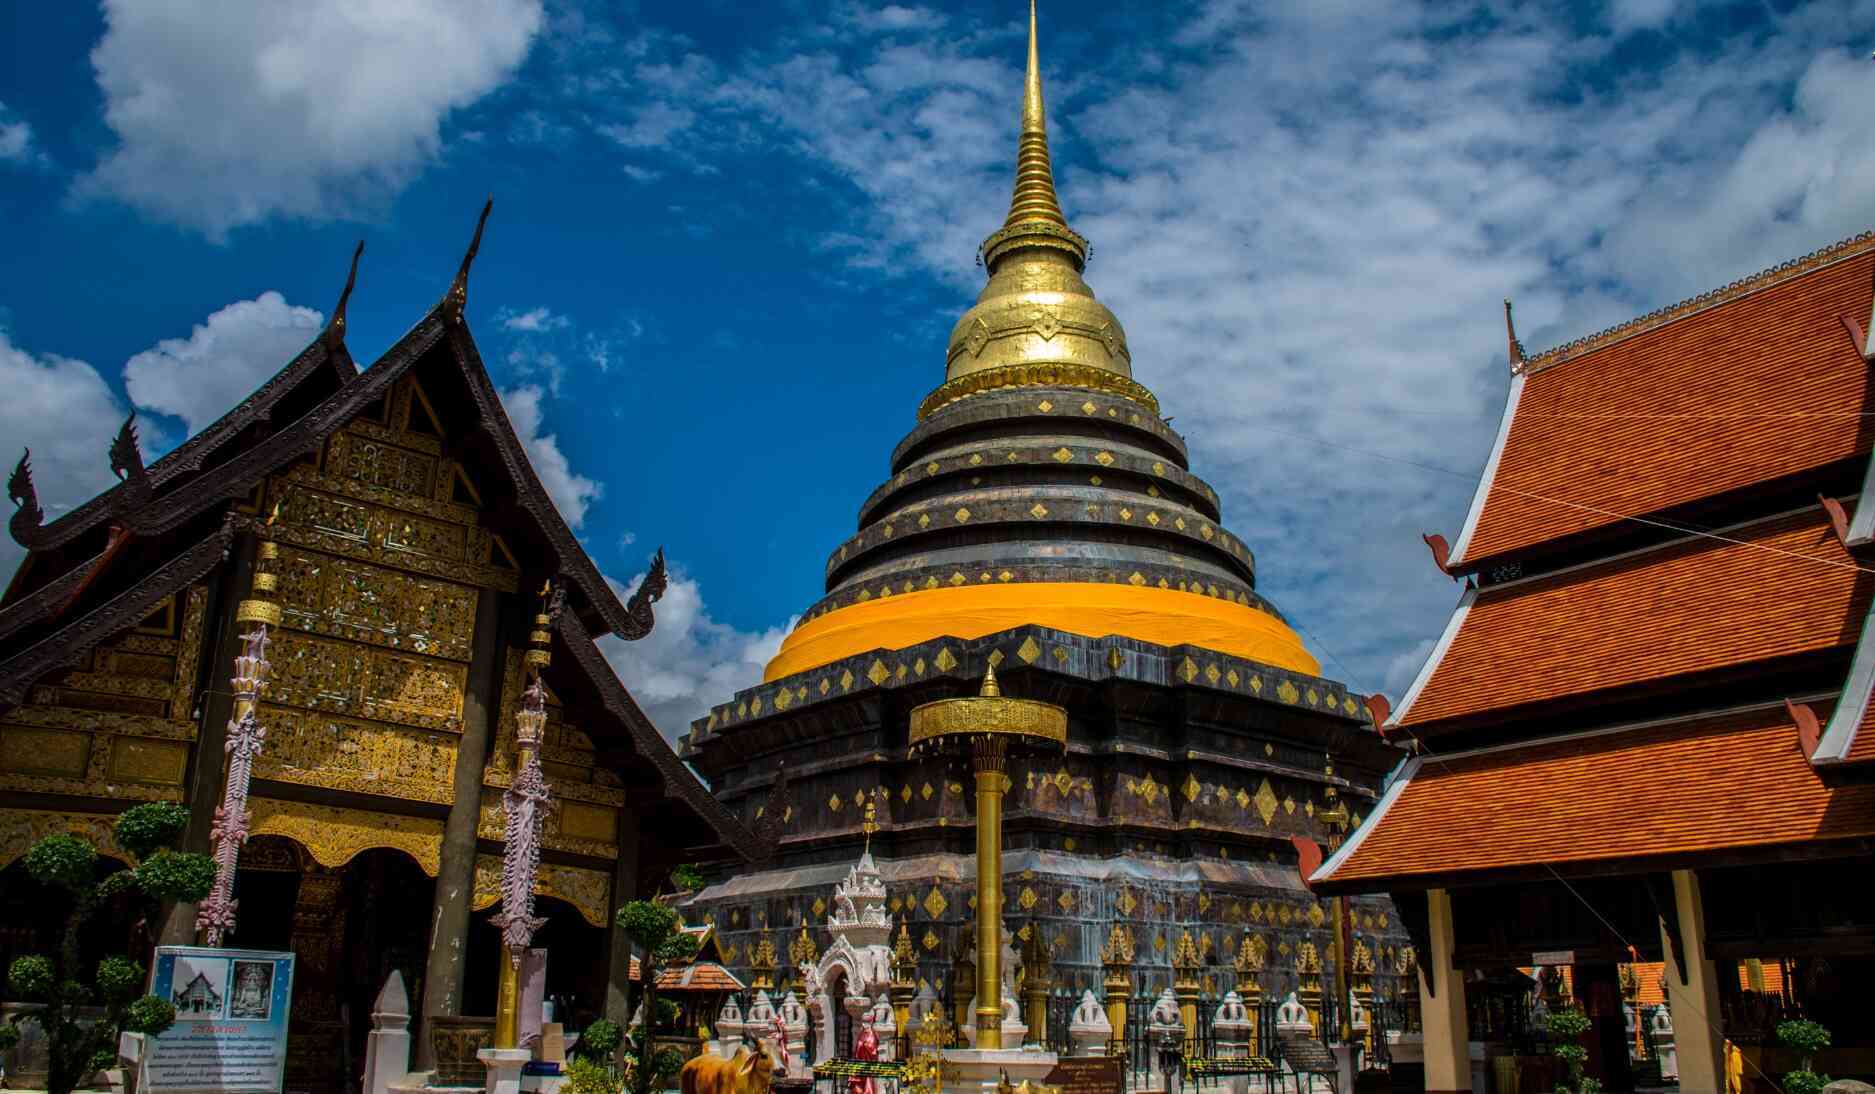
{"x":934,"y":902}
{"x":1192,"y":788}
{"x":1063,"y":455}
{"x":1287,"y":692}
{"x":1027,"y":898}
{"x":930,"y":939}
{"x":1289,"y":806}
{"x":1028,"y":651}
{"x":1316,"y":918}
{"x":945,"y":660}
{"x":1265,"y":801}
{"x":878,"y":673}
{"x":1066,"y":900}
{"x":962,"y":514}
{"x":926,"y":794}
{"x":1038,"y":510}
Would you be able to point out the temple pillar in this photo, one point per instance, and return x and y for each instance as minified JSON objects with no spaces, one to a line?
{"x":1694,"y":1002}
{"x":207,"y":761}
{"x":455,"y":879}
{"x":1442,"y":1004}
{"x":618,"y":948}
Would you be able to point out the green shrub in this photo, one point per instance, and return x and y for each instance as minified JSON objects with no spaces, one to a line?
{"x":146,"y":829}
{"x":584,"y":1076}
{"x":119,"y":978}
{"x":62,"y":860}
{"x":77,"y":1045}
{"x":149,"y":1015}
{"x":601,"y":1039}
{"x":30,"y":977}
{"x":174,"y":875}
{"x":687,"y":878}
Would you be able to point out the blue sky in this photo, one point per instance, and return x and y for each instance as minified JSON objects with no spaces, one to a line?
{"x":730,"y":238}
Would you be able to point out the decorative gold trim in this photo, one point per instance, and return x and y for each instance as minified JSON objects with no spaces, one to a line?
{"x":1047,"y":374}
{"x":1764,"y":279}
{"x":978,"y":716}
{"x":21,"y":828}
{"x":588,"y":891}
{"x":334,"y":836}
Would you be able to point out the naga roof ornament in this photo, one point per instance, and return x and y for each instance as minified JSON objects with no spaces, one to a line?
{"x":126,"y":455}
{"x":21,"y":492}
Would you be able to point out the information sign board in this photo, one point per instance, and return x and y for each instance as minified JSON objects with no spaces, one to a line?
{"x":1086,"y":1075}
{"x":231,"y":1019}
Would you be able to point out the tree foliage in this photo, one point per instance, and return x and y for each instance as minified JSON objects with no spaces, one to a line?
{"x":1806,"y":1039}
{"x":656,"y":932}
{"x":1565,"y":1026}
{"x":58,"y":984}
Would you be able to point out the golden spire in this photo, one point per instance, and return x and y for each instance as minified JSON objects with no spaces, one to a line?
{"x":1034,"y":198}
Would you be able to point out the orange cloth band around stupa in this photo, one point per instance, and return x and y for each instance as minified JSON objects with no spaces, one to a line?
{"x":1165,"y":617}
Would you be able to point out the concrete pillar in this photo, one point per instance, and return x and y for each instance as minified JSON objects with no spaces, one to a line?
{"x":455,"y":878}
{"x":618,"y":987}
{"x":1694,"y":1003}
{"x":1442,"y":1016}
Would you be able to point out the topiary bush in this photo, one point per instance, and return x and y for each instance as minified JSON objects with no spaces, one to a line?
{"x":601,"y":1039}
{"x":57,"y":984}
{"x":1565,"y":1026}
{"x":656,"y":932}
{"x":1806,"y":1039}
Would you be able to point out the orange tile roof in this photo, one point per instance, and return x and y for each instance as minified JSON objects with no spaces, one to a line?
{"x":1675,"y":410}
{"x":1692,"y":606}
{"x":1697,"y":785}
{"x":702,"y":976}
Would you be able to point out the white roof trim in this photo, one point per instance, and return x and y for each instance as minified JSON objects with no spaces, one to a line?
{"x":1394,"y":790}
{"x":1489,"y":475}
{"x":1433,"y":658}
{"x":1862,"y":521}
{"x":1840,"y":734}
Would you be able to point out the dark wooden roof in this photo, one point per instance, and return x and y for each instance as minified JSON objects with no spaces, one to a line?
{"x":67,"y":646}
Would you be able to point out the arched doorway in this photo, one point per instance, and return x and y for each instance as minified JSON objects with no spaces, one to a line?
{"x":349,"y":926}
{"x":576,"y":974}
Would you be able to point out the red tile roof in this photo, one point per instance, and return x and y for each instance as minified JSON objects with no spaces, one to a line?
{"x":702,"y":976}
{"x":1698,"y":785}
{"x":1673,"y":409}
{"x":1786,"y":588}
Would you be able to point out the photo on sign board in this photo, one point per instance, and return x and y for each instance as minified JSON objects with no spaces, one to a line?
{"x":199,"y":988}
{"x":253,"y":991}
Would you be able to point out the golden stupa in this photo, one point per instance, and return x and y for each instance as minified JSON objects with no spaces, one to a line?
{"x":1041,"y":485}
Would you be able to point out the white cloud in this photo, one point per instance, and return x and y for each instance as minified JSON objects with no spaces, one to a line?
{"x":227,"y":114}
{"x":689,"y":661}
{"x":571,"y":492}
{"x":62,"y":410}
{"x":535,"y":321}
{"x":652,"y":126}
{"x":16,"y":139}
{"x":223,"y":360}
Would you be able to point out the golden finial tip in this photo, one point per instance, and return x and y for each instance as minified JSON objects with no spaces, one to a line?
{"x":990,"y":688}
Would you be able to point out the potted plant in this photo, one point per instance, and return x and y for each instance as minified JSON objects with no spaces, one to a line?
{"x":60,"y":986}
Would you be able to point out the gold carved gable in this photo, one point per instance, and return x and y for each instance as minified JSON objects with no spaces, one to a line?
{"x":118,"y":726}
{"x":21,"y":828}
{"x":334,"y":836}
{"x":586,"y":890}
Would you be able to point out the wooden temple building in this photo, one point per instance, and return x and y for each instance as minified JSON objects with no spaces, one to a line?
{"x":1645,"y":733}
{"x":411,"y":539}
{"x":1041,"y":518}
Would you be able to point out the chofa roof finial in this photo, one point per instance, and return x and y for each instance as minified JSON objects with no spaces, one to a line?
{"x":1510,"y":334}
{"x":335,"y":328}
{"x":126,"y":456}
{"x":459,"y":289}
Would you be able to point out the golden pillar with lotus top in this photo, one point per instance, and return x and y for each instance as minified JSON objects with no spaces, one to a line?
{"x":990,"y":726}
